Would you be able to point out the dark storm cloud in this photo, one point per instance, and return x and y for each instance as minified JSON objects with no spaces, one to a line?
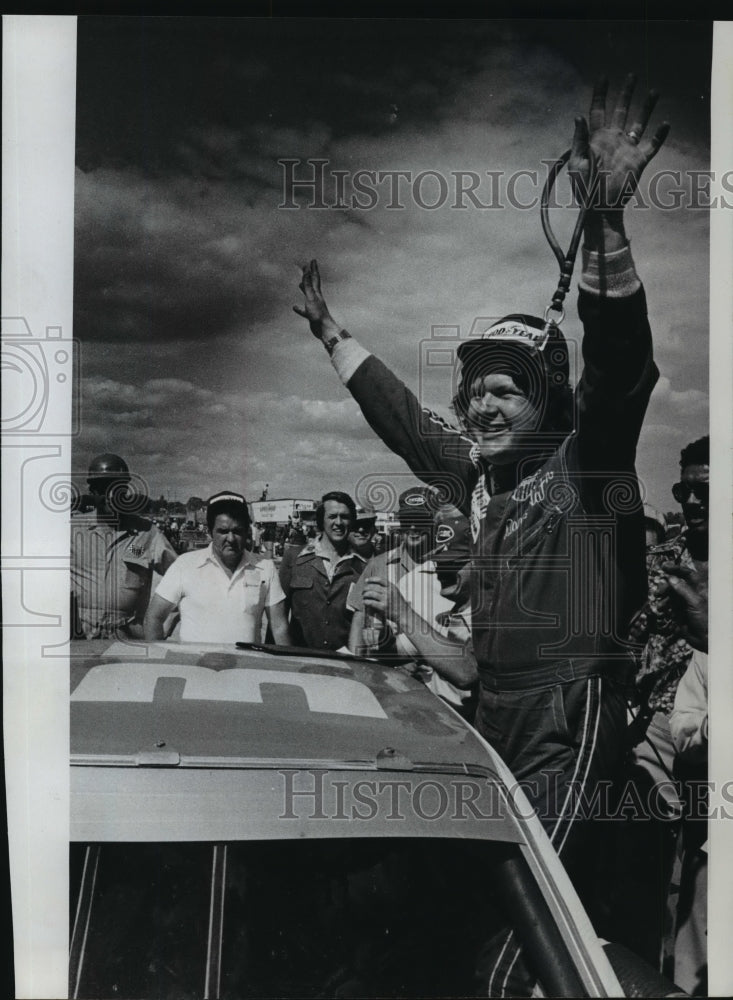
{"x":149,"y":81}
{"x":146,"y":84}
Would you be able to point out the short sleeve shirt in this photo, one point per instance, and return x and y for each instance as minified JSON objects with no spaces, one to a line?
{"x":391,"y":566}
{"x":421,"y":589}
{"x":419,"y":585}
{"x":113,"y":569}
{"x":215,"y":607}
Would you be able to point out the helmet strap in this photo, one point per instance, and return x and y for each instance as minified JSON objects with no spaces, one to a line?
{"x":565,"y":260}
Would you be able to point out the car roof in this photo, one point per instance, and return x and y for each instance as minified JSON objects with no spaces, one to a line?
{"x":220,"y":702}
{"x":185,"y":743}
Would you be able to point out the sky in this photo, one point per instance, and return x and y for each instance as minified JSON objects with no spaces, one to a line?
{"x":194,"y":366}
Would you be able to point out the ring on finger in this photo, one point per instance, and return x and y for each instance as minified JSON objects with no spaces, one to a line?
{"x":633,"y":135}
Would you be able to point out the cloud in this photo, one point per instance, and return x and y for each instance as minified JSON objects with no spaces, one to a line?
{"x":186,"y":269}
{"x":245,"y":439}
{"x":682,"y":404}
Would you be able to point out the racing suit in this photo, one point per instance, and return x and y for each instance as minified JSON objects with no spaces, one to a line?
{"x":558,"y":562}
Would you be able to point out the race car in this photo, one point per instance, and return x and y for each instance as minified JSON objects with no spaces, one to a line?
{"x":266,"y":822}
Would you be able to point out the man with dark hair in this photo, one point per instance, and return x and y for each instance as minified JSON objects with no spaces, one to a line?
{"x":317,"y":580}
{"x":115,"y":556}
{"x":553,"y":499}
{"x":677,"y":601}
{"x":659,"y":625}
{"x":221,"y":591}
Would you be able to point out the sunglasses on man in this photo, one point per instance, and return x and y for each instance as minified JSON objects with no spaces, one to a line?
{"x":683,"y":491}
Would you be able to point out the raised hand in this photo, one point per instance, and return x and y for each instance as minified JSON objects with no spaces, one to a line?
{"x":314,"y":307}
{"x":621,"y":153}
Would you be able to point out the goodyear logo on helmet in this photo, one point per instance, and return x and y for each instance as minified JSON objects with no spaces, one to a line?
{"x":516,"y":332}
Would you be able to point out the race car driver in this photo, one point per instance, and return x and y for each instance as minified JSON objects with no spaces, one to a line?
{"x":547,"y":478}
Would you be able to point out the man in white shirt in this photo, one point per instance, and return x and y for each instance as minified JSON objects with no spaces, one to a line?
{"x":222,"y":591}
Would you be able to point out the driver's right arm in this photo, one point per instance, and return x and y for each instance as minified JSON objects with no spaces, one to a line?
{"x":435,"y":451}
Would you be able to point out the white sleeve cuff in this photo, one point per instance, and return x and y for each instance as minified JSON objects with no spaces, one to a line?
{"x":611,"y":274}
{"x":346,"y":358}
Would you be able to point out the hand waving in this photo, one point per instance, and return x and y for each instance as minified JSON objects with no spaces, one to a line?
{"x":621,"y":154}
{"x":314,"y":307}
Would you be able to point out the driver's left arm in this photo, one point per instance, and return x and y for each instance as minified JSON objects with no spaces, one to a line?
{"x":619,"y":372}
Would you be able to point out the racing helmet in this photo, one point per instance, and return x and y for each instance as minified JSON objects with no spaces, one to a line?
{"x":533,"y":352}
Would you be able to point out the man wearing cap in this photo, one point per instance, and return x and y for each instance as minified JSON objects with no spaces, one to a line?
{"x":116,"y":556}
{"x":416,"y":520}
{"x":318,"y":579}
{"x":361,"y":536}
{"x":549,"y":482}
{"x":221,"y":591}
{"x":428,"y":610}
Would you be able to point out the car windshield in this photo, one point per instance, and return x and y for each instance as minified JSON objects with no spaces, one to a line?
{"x":322,"y":918}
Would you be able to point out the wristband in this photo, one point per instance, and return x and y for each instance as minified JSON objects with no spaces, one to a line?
{"x":331,"y":343}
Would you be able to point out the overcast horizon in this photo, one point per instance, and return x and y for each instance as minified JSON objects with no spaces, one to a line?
{"x":193,"y":365}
